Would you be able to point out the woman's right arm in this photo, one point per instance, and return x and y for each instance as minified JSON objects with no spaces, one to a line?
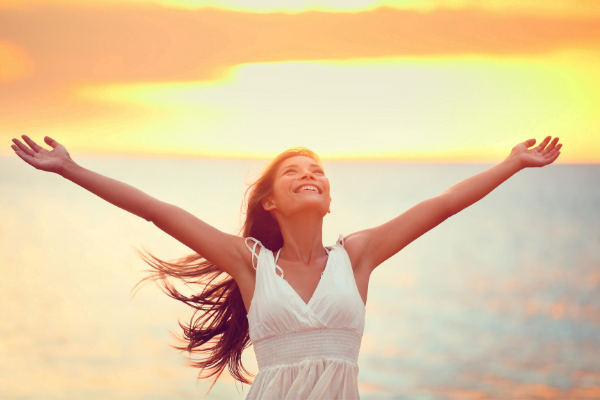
{"x":211,"y":243}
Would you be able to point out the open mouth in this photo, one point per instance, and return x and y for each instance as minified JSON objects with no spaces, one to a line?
{"x":306,"y":188}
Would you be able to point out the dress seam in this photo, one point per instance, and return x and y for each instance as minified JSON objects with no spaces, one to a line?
{"x":305,"y":330}
{"x":264,"y":369}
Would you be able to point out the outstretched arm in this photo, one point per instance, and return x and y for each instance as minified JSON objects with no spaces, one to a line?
{"x":59,"y":161}
{"x":211,"y":243}
{"x":371,"y":247}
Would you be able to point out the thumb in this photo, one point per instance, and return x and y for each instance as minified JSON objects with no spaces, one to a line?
{"x":53,"y":143}
{"x":529,"y":143}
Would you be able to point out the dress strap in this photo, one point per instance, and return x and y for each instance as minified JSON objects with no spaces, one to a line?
{"x":277,"y":256}
{"x":340,"y":240}
{"x":253,"y":249}
{"x":277,"y":266}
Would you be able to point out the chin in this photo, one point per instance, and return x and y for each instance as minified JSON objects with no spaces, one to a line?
{"x":318,"y":209}
{"x":310,"y":207}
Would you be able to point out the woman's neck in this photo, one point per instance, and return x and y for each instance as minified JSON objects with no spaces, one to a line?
{"x":302,"y":238}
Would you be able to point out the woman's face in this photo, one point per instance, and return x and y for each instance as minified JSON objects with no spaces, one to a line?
{"x":300,"y":185}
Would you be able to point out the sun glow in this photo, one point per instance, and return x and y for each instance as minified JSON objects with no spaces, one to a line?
{"x":463,"y":82}
{"x":14,"y":62}
{"x":468,"y":109}
{"x":581,"y":8}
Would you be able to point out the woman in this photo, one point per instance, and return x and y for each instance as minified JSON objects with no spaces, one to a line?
{"x":301,"y":305}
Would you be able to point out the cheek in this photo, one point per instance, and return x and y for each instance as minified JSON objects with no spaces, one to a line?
{"x":281,"y":189}
{"x":327,"y":188}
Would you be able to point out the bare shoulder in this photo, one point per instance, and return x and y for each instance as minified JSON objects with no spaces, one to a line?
{"x":247,"y":249}
{"x":356,"y":245}
{"x":236,"y":258}
{"x":252,"y":245}
{"x":252,"y":248}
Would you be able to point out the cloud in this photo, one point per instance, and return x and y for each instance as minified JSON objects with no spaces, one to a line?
{"x":15,"y":64}
{"x":582,"y":8}
{"x":146,"y":43}
{"x":144,"y":46}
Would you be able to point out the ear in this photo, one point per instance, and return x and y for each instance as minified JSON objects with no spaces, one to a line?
{"x":268,"y":204}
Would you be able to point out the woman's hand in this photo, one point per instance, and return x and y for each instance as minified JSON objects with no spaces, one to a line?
{"x":541,"y":155}
{"x":373,"y":246}
{"x":40,"y":158}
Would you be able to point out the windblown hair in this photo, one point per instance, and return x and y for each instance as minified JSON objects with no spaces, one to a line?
{"x":218,"y":329}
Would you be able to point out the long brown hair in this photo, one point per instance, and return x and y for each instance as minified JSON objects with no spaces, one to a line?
{"x":218,"y":328}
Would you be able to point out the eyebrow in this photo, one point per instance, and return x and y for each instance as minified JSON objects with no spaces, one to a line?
{"x":296,"y":165}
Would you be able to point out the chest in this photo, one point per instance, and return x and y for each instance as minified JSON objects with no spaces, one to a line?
{"x":302,"y":279}
{"x":326,"y":285}
{"x":324,"y":296}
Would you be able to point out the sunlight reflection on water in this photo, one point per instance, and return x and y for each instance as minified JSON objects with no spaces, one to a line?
{"x":499,"y":301}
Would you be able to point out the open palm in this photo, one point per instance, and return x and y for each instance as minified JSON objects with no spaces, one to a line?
{"x":539,"y":156}
{"x":40,"y":158}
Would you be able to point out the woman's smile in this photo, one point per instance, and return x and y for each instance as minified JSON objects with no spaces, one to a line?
{"x":308,"y":188}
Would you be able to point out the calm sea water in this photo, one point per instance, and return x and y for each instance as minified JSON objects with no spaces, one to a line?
{"x":500,"y":301}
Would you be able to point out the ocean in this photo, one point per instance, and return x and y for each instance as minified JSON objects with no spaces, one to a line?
{"x":500,"y":301}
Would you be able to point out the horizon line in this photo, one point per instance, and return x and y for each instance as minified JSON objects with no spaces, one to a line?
{"x":323,"y":159}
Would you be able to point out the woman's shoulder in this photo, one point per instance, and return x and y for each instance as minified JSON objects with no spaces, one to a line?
{"x":355,"y":245}
{"x":255,"y":246}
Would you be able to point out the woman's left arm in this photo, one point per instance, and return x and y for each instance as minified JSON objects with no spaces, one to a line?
{"x":371,"y":247}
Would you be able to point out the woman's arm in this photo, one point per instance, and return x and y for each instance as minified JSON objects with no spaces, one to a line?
{"x":214,"y":245}
{"x":371,"y":247}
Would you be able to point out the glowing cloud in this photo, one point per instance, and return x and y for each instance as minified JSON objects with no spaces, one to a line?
{"x":584,"y":8}
{"x":14,"y":62}
{"x":450,"y":84}
{"x":412,"y":109}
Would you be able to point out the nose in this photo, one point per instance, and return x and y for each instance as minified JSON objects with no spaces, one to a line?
{"x":308,"y":175}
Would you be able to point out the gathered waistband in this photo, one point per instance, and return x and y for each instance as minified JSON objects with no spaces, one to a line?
{"x":316,"y":344}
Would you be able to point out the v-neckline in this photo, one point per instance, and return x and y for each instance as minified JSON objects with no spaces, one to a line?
{"x":294,"y":290}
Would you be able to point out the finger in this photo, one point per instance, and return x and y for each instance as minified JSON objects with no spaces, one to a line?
{"x":529,"y":143}
{"x":23,"y":147}
{"x":553,"y":151}
{"x":51,"y":142}
{"x":36,"y":147}
{"x":541,"y":146}
{"x":27,"y":158}
{"x":550,"y":146}
{"x":554,"y":157}
{"x":550,"y":160}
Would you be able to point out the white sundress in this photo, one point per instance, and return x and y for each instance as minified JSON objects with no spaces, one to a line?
{"x":306,"y":350}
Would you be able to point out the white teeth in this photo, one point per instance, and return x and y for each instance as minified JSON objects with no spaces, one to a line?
{"x":307,"y":187}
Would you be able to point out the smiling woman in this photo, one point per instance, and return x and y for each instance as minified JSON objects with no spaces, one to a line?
{"x":302,"y":308}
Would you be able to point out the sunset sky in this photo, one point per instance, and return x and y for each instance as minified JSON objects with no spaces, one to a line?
{"x":412,"y":80}
{"x":186,"y":99}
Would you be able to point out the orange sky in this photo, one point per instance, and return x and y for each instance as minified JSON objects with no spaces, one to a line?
{"x":51,"y":52}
